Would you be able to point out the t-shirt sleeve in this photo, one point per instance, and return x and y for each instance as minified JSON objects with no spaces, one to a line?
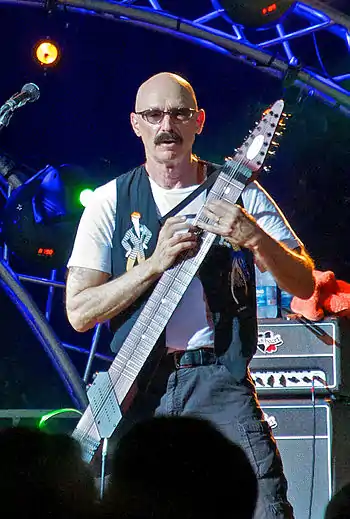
{"x":268,"y":215}
{"x":92,"y":246}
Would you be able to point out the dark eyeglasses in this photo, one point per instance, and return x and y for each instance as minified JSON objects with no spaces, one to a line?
{"x":177,"y":115}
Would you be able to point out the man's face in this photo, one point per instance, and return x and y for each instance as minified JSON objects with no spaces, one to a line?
{"x":173,"y":136}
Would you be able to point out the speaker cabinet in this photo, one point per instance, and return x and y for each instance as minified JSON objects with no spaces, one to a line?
{"x":340,"y":443}
{"x":302,"y":430}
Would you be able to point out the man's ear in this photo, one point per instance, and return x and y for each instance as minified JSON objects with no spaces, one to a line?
{"x":200,"y":120}
{"x":135,"y":124}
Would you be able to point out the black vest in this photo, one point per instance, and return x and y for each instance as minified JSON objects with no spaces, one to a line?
{"x":233,"y":305}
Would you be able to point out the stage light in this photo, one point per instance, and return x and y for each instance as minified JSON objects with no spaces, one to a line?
{"x":254,"y":13}
{"x":269,"y":9}
{"x":85,"y":196}
{"x":47,"y":53}
{"x":40,"y":217}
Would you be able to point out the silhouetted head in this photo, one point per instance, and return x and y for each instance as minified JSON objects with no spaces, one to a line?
{"x":171,"y":467}
{"x":339,"y":505}
{"x":43,"y":475}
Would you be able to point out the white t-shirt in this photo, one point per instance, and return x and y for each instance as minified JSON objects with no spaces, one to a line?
{"x":93,"y":249}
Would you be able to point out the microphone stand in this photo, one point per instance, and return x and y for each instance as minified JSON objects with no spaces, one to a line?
{"x":6,"y":112}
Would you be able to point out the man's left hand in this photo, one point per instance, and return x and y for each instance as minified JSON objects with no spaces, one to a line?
{"x":232,"y":222}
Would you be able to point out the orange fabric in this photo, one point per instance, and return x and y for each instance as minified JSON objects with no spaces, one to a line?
{"x":331,"y":297}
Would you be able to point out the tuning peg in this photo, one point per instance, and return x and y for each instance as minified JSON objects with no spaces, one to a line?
{"x":271,"y":152}
{"x":275,"y":143}
{"x":279,"y":134}
{"x":267,"y":168}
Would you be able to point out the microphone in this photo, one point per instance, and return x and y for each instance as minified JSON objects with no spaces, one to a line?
{"x":29,"y":93}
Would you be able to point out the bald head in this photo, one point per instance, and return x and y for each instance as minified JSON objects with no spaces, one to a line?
{"x":164,"y":85}
{"x":169,"y":120}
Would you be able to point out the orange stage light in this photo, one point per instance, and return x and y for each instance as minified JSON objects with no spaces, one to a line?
{"x":47,"y":53}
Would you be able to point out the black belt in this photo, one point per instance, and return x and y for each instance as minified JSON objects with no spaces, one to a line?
{"x":191,"y":358}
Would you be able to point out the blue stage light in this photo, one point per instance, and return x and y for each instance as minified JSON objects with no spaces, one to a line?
{"x":40,"y":217}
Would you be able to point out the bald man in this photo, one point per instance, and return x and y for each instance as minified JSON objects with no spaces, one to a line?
{"x":210,"y":337}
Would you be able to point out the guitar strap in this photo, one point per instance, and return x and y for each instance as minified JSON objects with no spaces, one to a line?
{"x":212,"y":176}
{"x":213,"y":172}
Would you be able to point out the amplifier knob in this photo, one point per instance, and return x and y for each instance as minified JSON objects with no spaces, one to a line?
{"x":283,"y":381}
{"x":271,"y":380}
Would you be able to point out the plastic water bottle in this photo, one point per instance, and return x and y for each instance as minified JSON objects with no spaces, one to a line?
{"x":286,"y":299}
{"x":266,"y":294}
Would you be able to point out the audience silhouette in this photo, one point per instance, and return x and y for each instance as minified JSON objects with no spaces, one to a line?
{"x":179,"y":468}
{"x":43,"y":475}
{"x":339,"y":506}
{"x":162,"y":468}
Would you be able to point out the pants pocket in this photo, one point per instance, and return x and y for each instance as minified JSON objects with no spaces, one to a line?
{"x":261,"y":448}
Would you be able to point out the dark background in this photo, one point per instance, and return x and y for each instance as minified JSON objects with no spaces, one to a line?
{"x":82,"y":117}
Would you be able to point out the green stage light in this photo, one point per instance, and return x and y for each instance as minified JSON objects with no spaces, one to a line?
{"x":85,"y":196}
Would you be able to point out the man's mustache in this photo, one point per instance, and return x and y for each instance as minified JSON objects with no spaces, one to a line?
{"x":168,"y":136}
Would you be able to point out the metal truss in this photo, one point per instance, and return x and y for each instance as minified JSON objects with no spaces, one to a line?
{"x":43,"y":331}
{"x":272,"y":50}
{"x":39,"y":323}
{"x":269,"y":49}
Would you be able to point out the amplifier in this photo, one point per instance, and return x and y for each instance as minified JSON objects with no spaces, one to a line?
{"x":295,"y":355}
{"x":303,"y":432}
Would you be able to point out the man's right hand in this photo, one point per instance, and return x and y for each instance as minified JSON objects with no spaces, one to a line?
{"x":174,"y":239}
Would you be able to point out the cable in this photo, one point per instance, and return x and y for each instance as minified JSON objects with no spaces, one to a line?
{"x":103,"y":466}
{"x":313,"y":457}
{"x":54,"y":413}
